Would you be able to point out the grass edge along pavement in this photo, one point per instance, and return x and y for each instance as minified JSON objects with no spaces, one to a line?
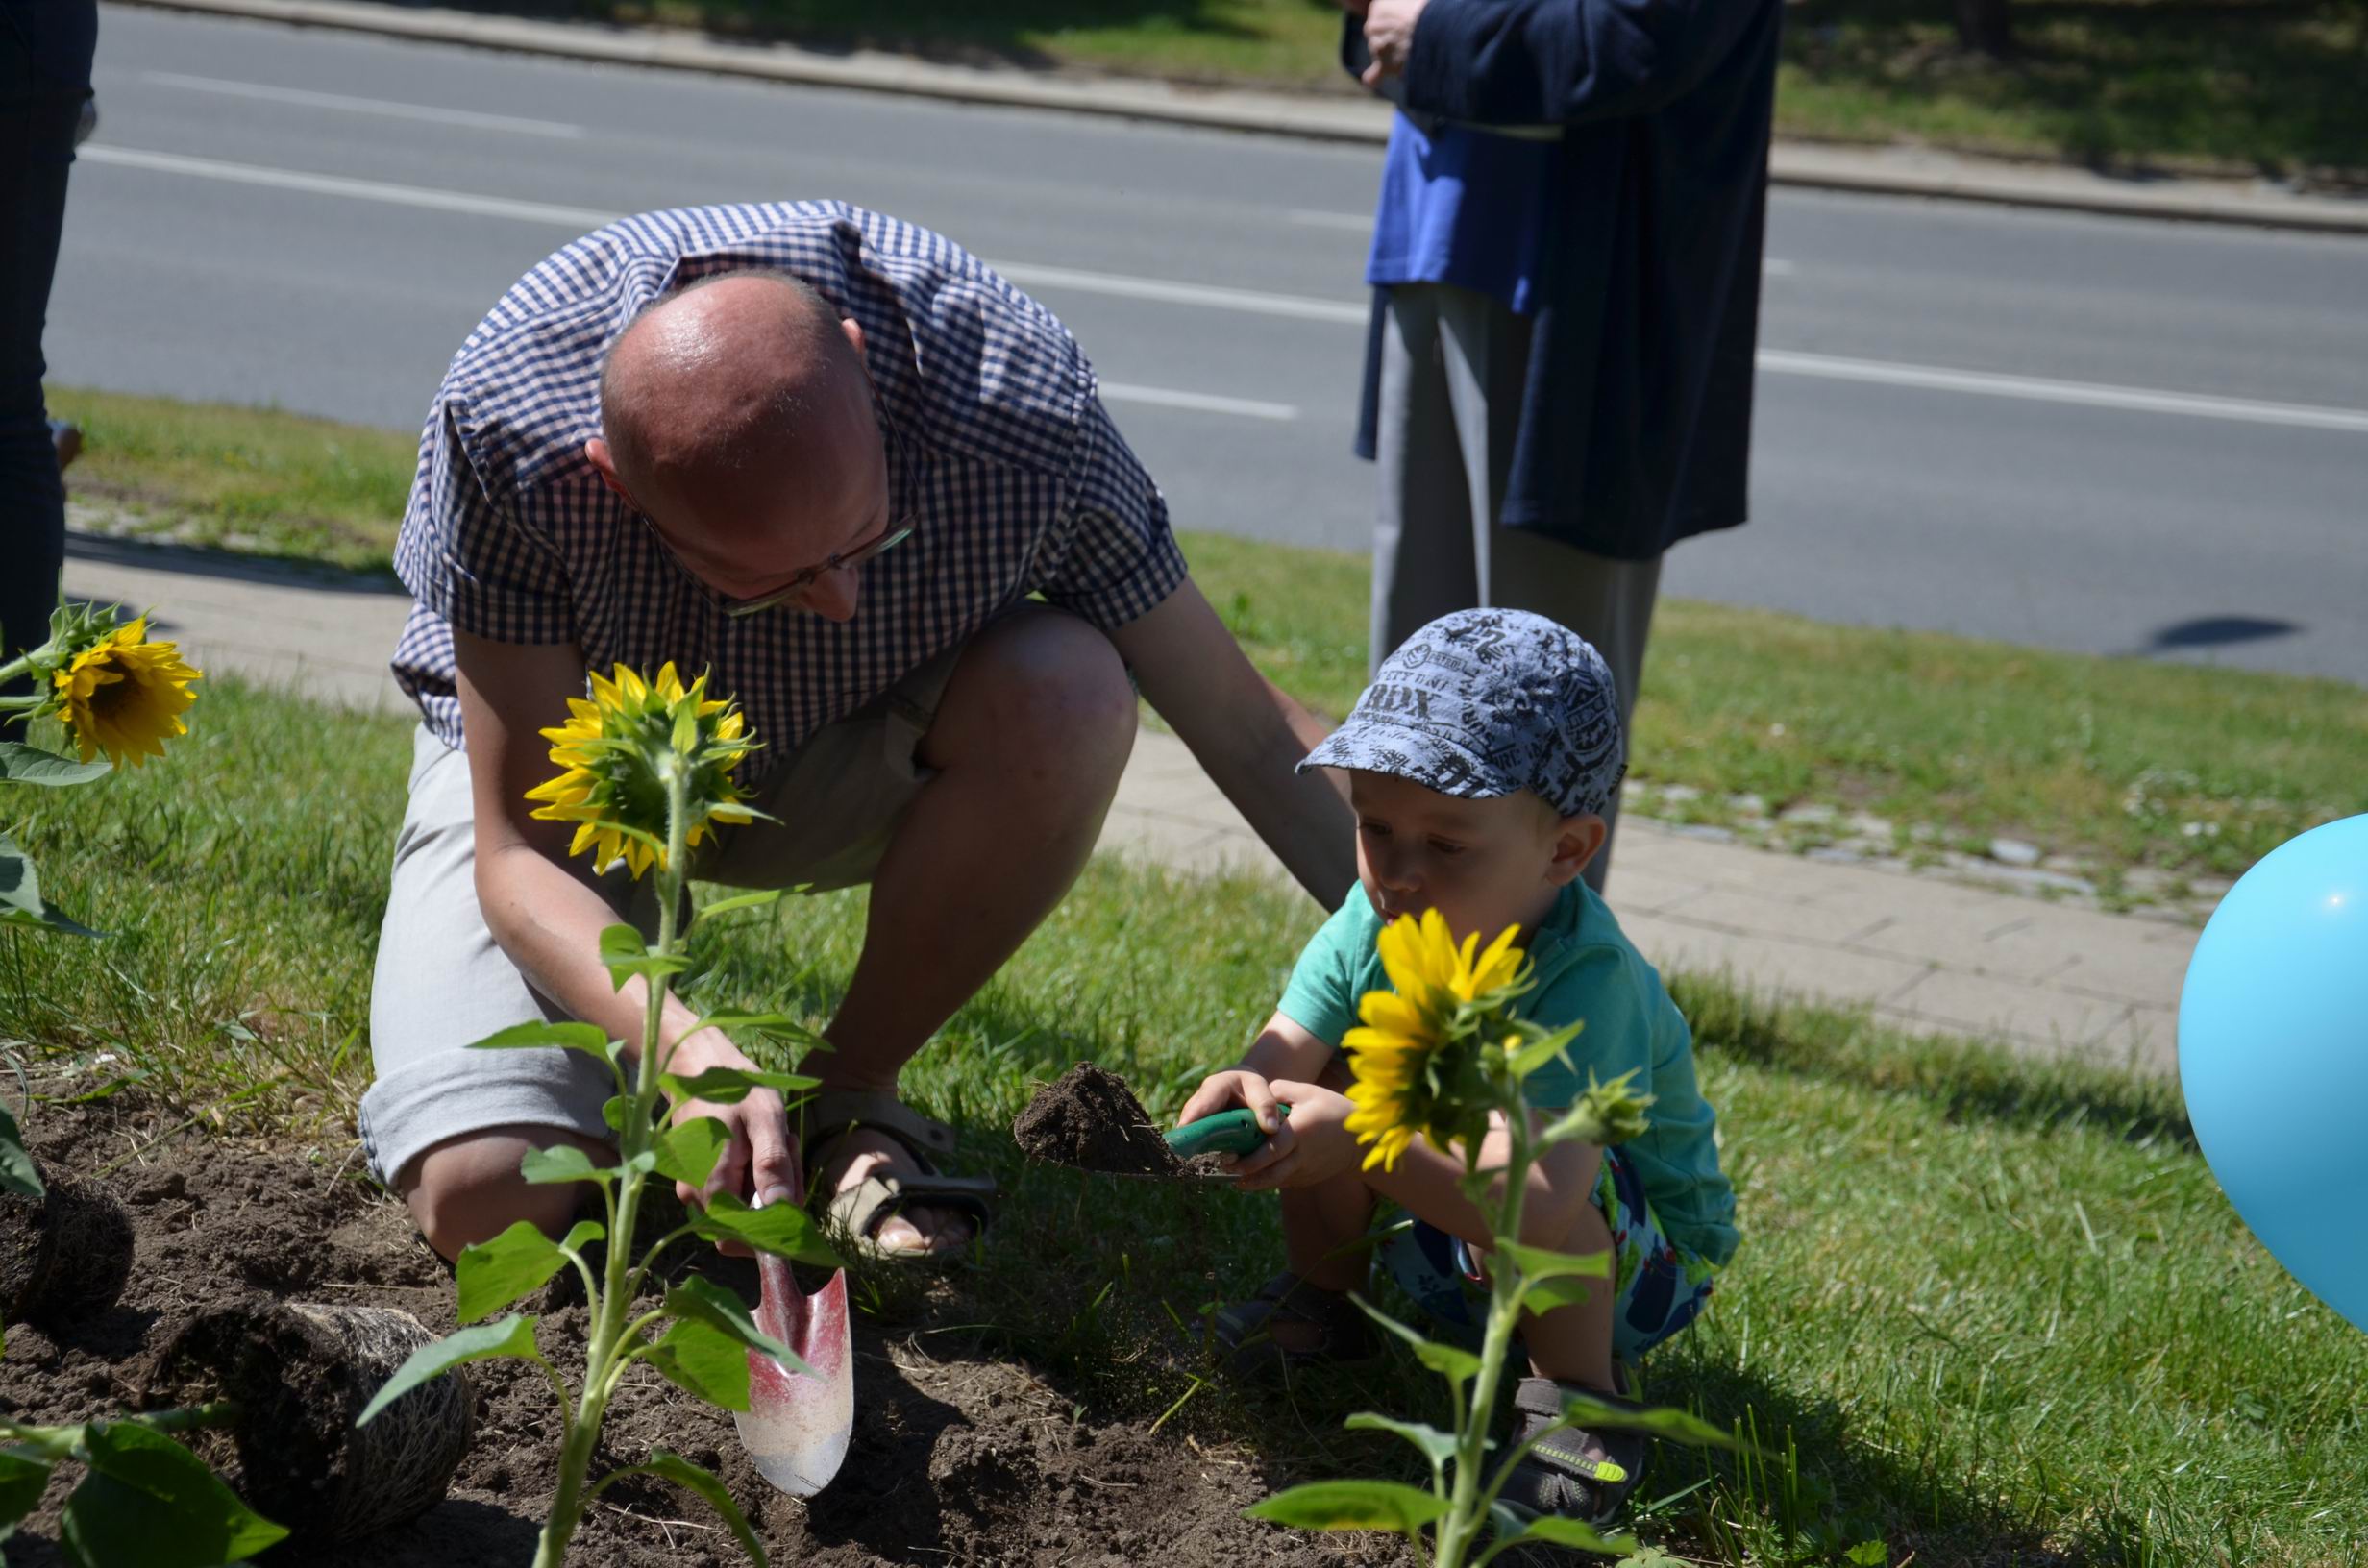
{"x":1970,"y":1317}
{"x":2217,"y":90}
{"x":2148,"y":781}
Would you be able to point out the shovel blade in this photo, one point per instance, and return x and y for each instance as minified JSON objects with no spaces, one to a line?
{"x":796,"y":1426}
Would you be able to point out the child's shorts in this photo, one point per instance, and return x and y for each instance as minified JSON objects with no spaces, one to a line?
{"x":1658,"y":1287}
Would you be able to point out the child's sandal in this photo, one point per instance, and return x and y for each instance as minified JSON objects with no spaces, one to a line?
{"x":1574,"y":1472}
{"x":1341,"y":1336}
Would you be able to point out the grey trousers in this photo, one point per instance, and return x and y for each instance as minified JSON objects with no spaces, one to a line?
{"x":1453,"y":367}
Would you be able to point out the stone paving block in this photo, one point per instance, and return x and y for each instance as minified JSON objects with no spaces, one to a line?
{"x":1752,"y":912}
{"x":2129,"y":968}
{"x":1988,"y":934}
{"x":1170,"y":841}
{"x":1982,"y":1004}
{"x":1833,"y":974}
{"x":1639,"y":887}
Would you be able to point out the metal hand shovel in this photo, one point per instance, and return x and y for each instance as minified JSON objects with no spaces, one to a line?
{"x":796,"y":1426}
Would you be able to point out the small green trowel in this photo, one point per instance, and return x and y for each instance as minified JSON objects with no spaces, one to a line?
{"x":1228,"y":1132}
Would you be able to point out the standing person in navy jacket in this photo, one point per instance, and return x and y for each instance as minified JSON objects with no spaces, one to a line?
{"x":1566,"y":261}
{"x":45,"y":53}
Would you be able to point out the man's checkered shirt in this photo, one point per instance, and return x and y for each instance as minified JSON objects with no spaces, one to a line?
{"x":1015,"y":477}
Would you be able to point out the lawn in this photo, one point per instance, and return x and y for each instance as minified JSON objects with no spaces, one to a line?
{"x":1986,"y":1312}
{"x":2242,"y":86}
{"x":2145,"y":775}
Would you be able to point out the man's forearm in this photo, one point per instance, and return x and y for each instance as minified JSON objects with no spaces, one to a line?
{"x":1305,"y":817}
{"x":550,"y":923}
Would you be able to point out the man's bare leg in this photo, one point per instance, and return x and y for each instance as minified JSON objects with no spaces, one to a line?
{"x":1030,"y":738}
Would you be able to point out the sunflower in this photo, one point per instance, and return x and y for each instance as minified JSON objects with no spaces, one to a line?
{"x":123,"y":695}
{"x":618,"y":749}
{"x":1413,"y":1062}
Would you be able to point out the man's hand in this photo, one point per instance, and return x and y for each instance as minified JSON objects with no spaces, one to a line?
{"x":1389,"y":35}
{"x":1310,"y":1148}
{"x":760,"y":1163}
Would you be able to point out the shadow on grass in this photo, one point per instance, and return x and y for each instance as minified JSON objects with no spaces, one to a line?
{"x":269,"y":570}
{"x":2273,"y":84}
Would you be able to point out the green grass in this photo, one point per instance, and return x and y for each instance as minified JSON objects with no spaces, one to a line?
{"x":2267,"y":84}
{"x":259,"y":482}
{"x":1986,"y":1311}
{"x":2147,"y":773}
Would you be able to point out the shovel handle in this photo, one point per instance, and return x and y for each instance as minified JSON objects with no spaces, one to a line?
{"x":1228,"y":1132}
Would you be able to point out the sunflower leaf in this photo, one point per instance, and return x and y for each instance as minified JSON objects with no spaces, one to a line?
{"x":22,"y":764}
{"x":742,"y":900}
{"x":729,"y":1086}
{"x":512,"y":1335}
{"x":1351,"y":1505}
{"x":147,"y":1500}
{"x":20,"y":896}
{"x":1447,"y":1360}
{"x":19,"y":1172}
{"x":625,"y":955}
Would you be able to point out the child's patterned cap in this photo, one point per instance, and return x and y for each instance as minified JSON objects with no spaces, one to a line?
{"x":1483,"y":703}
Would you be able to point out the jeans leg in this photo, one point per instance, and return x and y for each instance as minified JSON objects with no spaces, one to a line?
{"x":36,"y":145}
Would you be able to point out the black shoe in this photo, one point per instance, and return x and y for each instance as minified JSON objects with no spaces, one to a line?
{"x":1575,"y":1473}
{"x":1335,"y":1329}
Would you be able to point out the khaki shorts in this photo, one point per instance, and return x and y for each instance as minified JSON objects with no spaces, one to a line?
{"x":443,"y":982}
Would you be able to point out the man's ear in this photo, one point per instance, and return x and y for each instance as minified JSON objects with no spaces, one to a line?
{"x":1581,"y":840}
{"x":854,"y":330}
{"x":604,"y":462}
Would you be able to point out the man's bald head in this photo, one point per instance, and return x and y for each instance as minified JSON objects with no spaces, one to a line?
{"x":738,"y":414}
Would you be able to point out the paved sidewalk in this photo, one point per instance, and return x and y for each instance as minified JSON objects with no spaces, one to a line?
{"x":1342,"y":116}
{"x":1924,"y":952}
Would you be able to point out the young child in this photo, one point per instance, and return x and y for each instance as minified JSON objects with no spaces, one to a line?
{"x":1479,"y":763}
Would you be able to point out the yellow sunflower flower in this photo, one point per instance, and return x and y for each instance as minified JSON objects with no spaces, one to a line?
{"x":1411,"y":1060}
{"x":124,"y":695}
{"x":616,"y":751}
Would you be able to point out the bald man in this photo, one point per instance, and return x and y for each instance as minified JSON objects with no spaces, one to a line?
{"x":838,"y":462}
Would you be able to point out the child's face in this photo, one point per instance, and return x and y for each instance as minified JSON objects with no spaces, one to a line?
{"x":1483,"y":865}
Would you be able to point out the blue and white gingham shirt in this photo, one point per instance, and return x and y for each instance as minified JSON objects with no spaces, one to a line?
{"x":1016,"y":479}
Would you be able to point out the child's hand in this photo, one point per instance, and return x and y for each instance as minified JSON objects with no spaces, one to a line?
{"x":1313,"y":1146}
{"x":1224,"y":1090}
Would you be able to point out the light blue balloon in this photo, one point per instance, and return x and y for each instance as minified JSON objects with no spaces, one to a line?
{"x":2272,"y":1056}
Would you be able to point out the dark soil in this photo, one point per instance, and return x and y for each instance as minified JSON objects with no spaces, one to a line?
{"x":1089,"y":1118}
{"x":957,"y":1457}
{"x":64,"y":1257}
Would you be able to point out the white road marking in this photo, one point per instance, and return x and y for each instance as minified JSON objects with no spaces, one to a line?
{"x":2142,"y":400}
{"x":468,"y":117}
{"x":330,"y":185}
{"x":1028,"y":274}
{"x":1199,"y":402}
{"x":1779,"y":361}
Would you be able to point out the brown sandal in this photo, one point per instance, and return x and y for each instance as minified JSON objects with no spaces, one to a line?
{"x":856,"y":1213}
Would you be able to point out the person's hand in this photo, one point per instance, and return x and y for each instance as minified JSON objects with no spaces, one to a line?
{"x":759,"y":1165}
{"x":1389,"y":37}
{"x":1224,"y":1090}
{"x":1312,"y":1146}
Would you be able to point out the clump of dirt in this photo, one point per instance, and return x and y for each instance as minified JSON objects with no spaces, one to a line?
{"x":957,"y":1456}
{"x":1089,"y":1118}
{"x":302,"y":1374}
{"x":64,"y":1255}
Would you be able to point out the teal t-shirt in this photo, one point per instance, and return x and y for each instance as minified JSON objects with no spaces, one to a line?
{"x":1586,"y":969}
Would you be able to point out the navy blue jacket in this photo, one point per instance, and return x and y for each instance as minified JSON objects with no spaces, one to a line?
{"x":1636,"y":427}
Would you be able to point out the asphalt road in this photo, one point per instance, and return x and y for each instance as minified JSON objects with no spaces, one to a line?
{"x":2098,"y":435}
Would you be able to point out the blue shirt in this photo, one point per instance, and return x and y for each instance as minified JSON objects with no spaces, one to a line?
{"x":998,"y":449}
{"x":1585,"y":969}
{"x":1463,"y":205}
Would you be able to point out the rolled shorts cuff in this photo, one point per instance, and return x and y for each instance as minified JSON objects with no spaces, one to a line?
{"x":451,"y":1093}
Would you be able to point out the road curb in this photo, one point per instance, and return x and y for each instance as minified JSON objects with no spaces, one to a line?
{"x":1879,"y":171}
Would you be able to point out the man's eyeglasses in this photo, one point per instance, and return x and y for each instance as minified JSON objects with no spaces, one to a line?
{"x":799,"y":584}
